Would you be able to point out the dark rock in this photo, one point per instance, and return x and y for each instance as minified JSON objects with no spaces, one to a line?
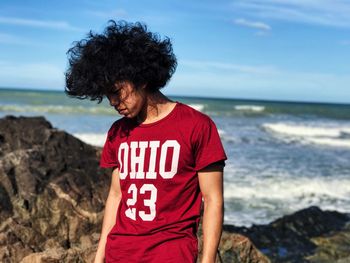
{"x":52,"y":192}
{"x":293,"y":238}
{"x":237,"y":248}
{"x":334,"y":247}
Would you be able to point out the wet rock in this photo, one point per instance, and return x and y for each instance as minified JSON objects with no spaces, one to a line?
{"x":334,"y":247}
{"x":52,"y":193}
{"x":237,"y":248}
{"x":309,"y":235}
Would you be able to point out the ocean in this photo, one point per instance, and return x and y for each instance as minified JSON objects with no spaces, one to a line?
{"x":282,"y":156}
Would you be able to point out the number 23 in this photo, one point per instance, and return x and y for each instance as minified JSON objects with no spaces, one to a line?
{"x":151,"y":202}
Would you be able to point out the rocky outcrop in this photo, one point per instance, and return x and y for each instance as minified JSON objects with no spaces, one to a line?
{"x":309,"y":235}
{"x":238,"y":248}
{"x":52,"y":195}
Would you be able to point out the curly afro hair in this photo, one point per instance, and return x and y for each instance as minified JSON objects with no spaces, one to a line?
{"x":124,"y":52}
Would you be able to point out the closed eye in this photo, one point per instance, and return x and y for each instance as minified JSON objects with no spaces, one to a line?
{"x":116,"y":92}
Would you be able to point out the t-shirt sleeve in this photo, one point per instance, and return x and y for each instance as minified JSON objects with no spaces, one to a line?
{"x":208,"y":148}
{"x":108,"y":156}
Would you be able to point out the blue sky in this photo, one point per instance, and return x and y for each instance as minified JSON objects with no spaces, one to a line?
{"x":295,"y":50}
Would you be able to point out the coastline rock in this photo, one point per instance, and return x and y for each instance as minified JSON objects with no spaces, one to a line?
{"x":308,"y":235}
{"x":237,"y":248}
{"x":52,"y":192}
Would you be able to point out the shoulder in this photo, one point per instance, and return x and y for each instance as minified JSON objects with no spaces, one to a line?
{"x":188,"y":113}
{"x":116,"y":125}
{"x":191,"y":117}
{"x":120,"y":128}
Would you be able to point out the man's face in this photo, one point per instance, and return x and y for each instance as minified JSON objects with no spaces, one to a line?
{"x":127,"y":100}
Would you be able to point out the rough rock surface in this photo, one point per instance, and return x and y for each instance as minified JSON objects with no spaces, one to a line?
{"x":309,"y":235}
{"x":52,"y":194}
{"x":238,"y":249}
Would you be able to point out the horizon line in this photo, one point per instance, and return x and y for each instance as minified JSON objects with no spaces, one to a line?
{"x":197,"y":97}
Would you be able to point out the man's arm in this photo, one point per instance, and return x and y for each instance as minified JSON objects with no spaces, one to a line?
{"x":211,"y":185}
{"x":110,"y":213}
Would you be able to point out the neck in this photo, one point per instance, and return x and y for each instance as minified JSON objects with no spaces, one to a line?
{"x":157,"y":106}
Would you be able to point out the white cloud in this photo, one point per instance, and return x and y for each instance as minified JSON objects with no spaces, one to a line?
{"x":252,"y":24}
{"x":60,"y":25}
{"x":320,"y":12}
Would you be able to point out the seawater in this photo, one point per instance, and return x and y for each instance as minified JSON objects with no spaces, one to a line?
{"x":282,"y":156}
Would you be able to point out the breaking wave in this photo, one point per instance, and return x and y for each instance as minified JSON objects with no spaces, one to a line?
{"x":249,"y":108}
{"x":261,"y":200}
{"x":95,"y":139}
{"x":320,"y":135}
{"x":198,"y":107}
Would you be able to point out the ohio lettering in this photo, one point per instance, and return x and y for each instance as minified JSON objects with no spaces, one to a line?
{"x":158,"y":154}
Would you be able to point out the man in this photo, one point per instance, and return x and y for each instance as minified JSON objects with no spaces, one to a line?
{"x":165,"y":155}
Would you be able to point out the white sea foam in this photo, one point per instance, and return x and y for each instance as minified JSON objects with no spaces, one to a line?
{"x":95,"y":139}
{"x":198,"y":107}
{"x":290,"y":188}
{"x":306,"y":131}
{"x":252,"y":108}
{"x":321,"y":134}
{"x":226,"y":137}
{"x":331,"y":142}
{"x":263,"y":199}
{"x":221,"y":132}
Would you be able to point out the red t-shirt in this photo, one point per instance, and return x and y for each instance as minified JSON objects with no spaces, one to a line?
{"x":158,"y":216}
